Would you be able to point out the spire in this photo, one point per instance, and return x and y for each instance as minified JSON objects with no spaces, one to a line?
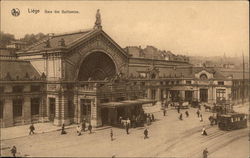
{"x":98,"y":21}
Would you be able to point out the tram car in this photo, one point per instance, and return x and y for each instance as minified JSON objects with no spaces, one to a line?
{"x":232,"y":121}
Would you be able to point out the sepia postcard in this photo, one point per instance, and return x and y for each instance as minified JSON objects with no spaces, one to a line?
{"x":124,"y":79}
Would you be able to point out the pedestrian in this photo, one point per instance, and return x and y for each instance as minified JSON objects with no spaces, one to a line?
{"x":201,"y":118}
{"x":63,"y":130}
{"x":13,"y":150}
{"x":148,"y":120}
{"x":211,"y":119}
{"x":204,"y":132}
{"x":32,"y":128}
{"x":187,"y":114}
{"x":180,"y":117}
{"x":111,"y":134}
{"x":178,"y":108}
{"x":164,"y":112}
{"x":153,"y":117}
{"x":83,"y":125}
{"x":128,"y":121}
{"x":78,"y":130}
{"x":198,"y":113}
{"x":146,"y":133}
{"x":90,"y":128}
{"x":205,"y":153}
{"x":127,"y":127}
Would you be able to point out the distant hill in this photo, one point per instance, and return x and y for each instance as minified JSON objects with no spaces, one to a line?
{"x":219,"y":61}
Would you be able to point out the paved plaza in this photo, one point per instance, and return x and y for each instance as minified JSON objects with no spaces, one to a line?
{"x":168,"y":136}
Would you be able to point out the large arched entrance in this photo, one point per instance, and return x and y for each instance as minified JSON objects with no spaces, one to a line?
{"x":96,"y":66}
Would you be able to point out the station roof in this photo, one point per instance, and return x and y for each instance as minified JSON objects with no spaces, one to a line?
{"x":54,"y":40}
{"x":17,"y":68}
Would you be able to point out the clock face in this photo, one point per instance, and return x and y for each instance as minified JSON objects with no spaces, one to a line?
{"x":203,"y":77}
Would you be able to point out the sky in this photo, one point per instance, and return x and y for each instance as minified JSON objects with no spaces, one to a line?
{"x":206,"y":28}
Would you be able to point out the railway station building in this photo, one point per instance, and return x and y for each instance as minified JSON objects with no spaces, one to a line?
{"x":68,"y":77}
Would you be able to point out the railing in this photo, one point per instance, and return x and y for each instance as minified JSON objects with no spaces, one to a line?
{"x":106,"y":87}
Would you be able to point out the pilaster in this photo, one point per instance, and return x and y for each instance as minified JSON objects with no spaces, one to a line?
{"x":8,"y":113}
{"x":26,"y":110}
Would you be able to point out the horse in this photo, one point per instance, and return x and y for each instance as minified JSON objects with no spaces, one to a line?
{"x":207,"y":108}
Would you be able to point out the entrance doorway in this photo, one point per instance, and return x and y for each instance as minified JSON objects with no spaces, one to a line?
{"x":85,"y":109}
{"x":104,"y":115}
{"x":121,"y":112}
{"x":203,"y":95}
{"x":17,"y":110}
{"x":35,"y":105}
{"x":188,"y":96}
{"x":52,"y":108}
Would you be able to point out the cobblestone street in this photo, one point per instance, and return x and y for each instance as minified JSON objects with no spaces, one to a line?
{"x":168,"y":136}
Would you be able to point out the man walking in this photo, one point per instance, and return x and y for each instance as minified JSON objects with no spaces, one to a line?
{"x":78,"y":130}
{"x":201,"y":118}
{"x":13,"y":151}
{"x":146,"y":133}
{"x":63,"y":130}
{"x":164,"y":112}
{"x":205,"y":153}
{"x":111,"y":134}
{"x":90,"y":128}
{"x":178,"y":108}
{"x":187,"y":114}
{"x":83,"y":125}
{"x":180,"y":117}
{"x":127,"y":127}
{"x":198,"y":113}
{"x":32,"y":128}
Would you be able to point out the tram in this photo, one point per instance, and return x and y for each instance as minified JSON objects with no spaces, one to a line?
{"x":232,"y":121}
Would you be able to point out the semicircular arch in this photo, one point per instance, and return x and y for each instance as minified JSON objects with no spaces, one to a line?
{"x":96,"y":65}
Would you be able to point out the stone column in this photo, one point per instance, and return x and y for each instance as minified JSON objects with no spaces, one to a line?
{"x":95,"y":113}
{"x":182,"y":93}
{"x":158,"y":94}
{"x":27,"y":110}
{"x":149,"y":95}
{"x":198,"y":94}
{"x":64,"y":110}
{"x":7,"y":112}
{"x":75,"y":102}
{"x":57,"y":119}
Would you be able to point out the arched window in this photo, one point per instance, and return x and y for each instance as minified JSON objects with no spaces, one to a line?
{"x":203,"y":77}
{"x":153,"y":76}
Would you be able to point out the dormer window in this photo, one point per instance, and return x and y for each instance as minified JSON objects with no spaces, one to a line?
{"x":203,"y":77}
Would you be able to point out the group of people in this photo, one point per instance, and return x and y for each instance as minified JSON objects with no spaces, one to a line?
{"x":181,"y":117}
{"x":79,"y":129}
{"x":213,"y":120}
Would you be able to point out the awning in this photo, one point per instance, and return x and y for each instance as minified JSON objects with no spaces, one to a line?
{"x":127,"y":103}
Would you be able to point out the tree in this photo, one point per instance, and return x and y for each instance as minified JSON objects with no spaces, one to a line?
{"x":6,"y":38}
{"x":32,"y":38}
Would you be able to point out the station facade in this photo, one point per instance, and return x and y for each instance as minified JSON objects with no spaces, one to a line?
{"x":69,"y":77}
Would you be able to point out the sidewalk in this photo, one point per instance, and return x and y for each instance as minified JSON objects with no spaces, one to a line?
{"x":23,"y":131}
